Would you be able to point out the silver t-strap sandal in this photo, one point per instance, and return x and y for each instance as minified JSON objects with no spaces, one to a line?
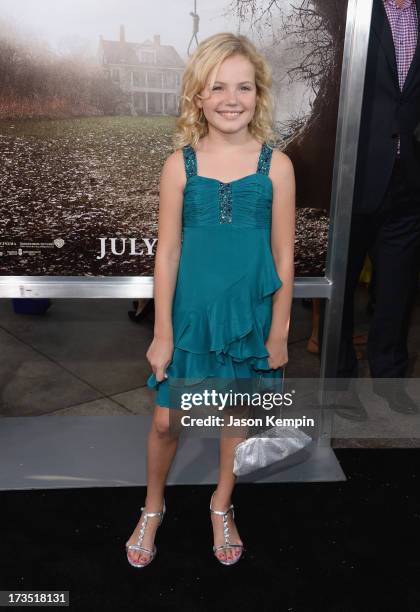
{"x":138,"y":544}
{"x":226,"y":543}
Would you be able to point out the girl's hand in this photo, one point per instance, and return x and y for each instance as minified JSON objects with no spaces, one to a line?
{"x":159,"y":355}
{"x":278,"y":353}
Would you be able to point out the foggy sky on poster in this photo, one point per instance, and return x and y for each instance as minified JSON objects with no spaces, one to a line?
{"x":74,"y":26}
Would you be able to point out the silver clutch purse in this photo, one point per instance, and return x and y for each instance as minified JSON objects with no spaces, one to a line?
{"x":268,"y":447}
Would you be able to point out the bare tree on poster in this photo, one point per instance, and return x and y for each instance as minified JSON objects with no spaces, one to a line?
{"x":315,"y":29}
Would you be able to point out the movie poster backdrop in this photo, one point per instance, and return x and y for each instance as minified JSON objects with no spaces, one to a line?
{"x":88,"y":101}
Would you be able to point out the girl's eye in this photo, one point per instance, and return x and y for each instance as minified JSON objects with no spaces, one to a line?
{"x":243,"y":87}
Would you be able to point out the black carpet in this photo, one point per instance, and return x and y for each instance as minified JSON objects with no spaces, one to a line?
{"x":332,"y":547}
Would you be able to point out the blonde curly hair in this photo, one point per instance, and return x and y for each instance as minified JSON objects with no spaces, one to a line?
{"x":191,"y":124}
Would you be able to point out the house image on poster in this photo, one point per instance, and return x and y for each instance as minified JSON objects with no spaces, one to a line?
{"x":148,"y":73}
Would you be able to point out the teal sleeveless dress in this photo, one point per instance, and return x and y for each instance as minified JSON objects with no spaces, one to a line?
{"x":222,"y":305}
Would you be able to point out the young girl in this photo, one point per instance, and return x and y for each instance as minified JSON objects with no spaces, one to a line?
{"x":221,"y":309}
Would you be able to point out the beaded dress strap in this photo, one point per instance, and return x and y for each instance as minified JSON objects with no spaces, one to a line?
{"x":190,"y":160}
{"x":264,"y":159}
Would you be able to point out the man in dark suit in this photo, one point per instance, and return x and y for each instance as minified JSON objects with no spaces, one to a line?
{"x":386,"y":206}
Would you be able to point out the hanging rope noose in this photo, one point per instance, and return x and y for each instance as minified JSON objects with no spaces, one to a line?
{"x":196,"y":19}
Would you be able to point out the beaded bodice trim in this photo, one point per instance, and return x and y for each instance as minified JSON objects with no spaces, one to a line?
{"x":225,"y":189}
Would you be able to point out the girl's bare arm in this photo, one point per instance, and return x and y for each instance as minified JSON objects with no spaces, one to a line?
{"x":282,"y":242}
{"x":171,"y":187}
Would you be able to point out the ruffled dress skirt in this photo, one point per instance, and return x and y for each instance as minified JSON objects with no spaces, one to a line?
{"x":222,"y":310}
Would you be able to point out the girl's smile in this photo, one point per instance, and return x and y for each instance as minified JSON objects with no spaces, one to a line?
{"x":229,"y":114}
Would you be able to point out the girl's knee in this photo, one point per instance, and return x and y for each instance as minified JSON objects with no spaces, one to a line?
{"x":161,"y":420}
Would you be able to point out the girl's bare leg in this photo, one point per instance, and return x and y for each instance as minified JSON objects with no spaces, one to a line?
{"x":161,"y":449}
{"x":222,"y":497}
